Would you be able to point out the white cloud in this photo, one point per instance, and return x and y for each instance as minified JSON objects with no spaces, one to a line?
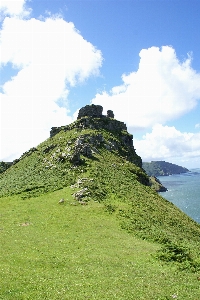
{"x":51,"y":57}
{"x":168,"y":143}
{"x":197,"y":125}
{"x":14,"y":8}
{"x":162,"y":89}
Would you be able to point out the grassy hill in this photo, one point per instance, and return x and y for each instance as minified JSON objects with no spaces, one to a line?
{"x":112,"y":236}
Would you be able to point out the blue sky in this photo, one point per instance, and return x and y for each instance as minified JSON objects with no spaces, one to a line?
{"x":139,"y":58}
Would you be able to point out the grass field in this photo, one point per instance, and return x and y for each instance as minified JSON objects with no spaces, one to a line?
{"x":72,"y":251}
{"x":118,"y":240}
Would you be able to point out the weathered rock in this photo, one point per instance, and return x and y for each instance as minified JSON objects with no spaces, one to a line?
{"x":91,"y":117}
{"x":75,"y":158}
{"x":48,"y":148}
{"x":110,"y":114}
{"x":61,"y":201}
{"x":127,"y":140}
{"x":94,"y":111}
{"x":86,"y":150}
{"x":81,"y":194}
{"x":155,"y":183}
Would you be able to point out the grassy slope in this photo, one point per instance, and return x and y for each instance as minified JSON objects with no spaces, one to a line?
{"x":53,"y":251}
{"x":79,"y":252}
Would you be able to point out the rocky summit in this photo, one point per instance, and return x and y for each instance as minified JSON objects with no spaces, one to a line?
{"x":70,"y":151}
{"x":91,"y":117}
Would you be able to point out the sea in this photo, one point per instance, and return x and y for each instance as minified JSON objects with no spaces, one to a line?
{"x":184,"y":192}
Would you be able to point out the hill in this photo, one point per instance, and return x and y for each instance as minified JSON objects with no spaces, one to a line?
{"x":162,"y":168}
{"x":111,"y":237}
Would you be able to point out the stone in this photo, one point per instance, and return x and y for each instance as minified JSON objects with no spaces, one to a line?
{"x":81,"y":194}
{"x":61,"y":201}
{"x":48,"y":148}
{"x":94,"y":111}
{"x":91,"y":117}
{"x":75,"y":158}
{"x":86,"y":150}
{"x":110,"y":114}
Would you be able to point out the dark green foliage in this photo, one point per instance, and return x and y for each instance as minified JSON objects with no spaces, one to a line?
{"x":160,"y":168}
{"x":175,"y":253}
{"x":4,"y":166}
{"x":181,"y":254}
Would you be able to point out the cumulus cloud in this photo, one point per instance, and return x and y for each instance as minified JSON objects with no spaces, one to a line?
{"x":163,"y":88}
{"x":14,"y":8}
{"x":168,"y":143}
{"x":50,"y":57}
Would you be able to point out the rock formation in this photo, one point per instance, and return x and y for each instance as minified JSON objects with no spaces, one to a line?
{"x":94,"y":111}
{"x":91,"y":117}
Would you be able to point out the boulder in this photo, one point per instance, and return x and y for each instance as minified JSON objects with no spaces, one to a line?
{"x":110,"y":114}
{"x":94,"y":111}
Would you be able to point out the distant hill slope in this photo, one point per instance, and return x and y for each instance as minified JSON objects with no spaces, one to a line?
{"x":96,"y":157}
{"x":162,"y":168}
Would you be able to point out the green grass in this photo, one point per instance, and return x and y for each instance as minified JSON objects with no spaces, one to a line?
{"x":44,"y":169}
{"x":125,"y":242}
{"x":70,"y":251}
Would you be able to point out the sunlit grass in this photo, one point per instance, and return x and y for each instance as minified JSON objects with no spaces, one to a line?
{"x":68,"y":251}
{"x":124,"y":241}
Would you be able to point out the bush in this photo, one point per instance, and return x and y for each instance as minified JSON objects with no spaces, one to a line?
{"x":174,"y":252}
{"x":180,"y":254}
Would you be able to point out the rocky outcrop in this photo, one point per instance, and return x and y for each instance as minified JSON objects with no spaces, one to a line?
{"x":110,"y":114}
{"x":156,"y":184}
{"x":91,"y":117}
{"x":94,"y":111}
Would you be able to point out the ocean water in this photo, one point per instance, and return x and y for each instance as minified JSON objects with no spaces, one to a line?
{"x":184,"y":192}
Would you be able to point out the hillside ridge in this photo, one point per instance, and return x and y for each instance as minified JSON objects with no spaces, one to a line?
{"x":69,"y":151}
{"x":94,"y":159}
{"x":162,"y":168}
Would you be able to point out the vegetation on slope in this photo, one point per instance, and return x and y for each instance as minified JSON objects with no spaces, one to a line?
{"x":104,"y":176}
{"x":101,"y":174}
{"x":4,"y":166}
{"x":162,"y":168}
{"x":72,"y":251}
{"x":156,"y":184}
{"x":53,"y":164}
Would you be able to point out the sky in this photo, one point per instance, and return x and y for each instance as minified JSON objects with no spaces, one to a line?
{"x":139,"y":58}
